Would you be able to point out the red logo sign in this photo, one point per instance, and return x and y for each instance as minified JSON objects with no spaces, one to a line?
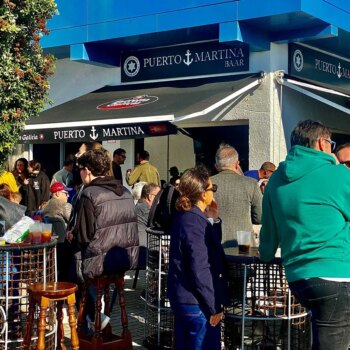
{"x":128,"y":102}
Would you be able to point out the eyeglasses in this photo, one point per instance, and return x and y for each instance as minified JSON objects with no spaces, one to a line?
{"x":66,"y":193}
{"x":123,"y":156}
{"x":333,"y":143}
{"x":347,"y":164}
{"x":214,"y":188}
{"x":81,"y":168}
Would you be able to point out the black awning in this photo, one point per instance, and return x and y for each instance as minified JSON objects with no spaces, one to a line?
{"x":131,"y":111}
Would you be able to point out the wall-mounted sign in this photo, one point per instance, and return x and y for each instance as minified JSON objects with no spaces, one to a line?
{"x":317,"y":66}
{"x":184,"y":61}
{"x":97,"y":133}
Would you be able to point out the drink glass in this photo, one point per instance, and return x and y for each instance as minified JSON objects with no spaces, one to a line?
{"x":244,"y":241}
{"x":47,"y":232}
{"x":35,"y":232}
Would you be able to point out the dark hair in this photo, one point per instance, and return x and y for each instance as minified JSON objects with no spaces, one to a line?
{"x":147,"y":189}
{"x":119,"y":152}
{"x":68,"y":162}
{"x":193,"y":183}
{"x":144,"y":155}
{"x":25,"y":162}
{"x":307,"y":132}
{"x":340,"y":147}
{"x":98,"y":161}
{"x":35,"y":165}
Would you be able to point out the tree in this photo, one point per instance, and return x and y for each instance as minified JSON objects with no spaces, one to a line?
{"x":24,"y":69}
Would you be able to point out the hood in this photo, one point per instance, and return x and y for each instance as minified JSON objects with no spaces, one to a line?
{"x":301,"y":161}
{"x":109,"y":183}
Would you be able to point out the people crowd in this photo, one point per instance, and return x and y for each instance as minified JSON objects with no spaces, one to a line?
{"x":297,"y":206}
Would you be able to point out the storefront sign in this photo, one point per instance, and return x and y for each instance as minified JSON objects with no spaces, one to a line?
{"x":97,"y":133}
{"x":184,"y":61}
{"x":317,"y":66}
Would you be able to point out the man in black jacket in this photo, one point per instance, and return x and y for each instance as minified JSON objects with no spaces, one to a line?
{"x":106,"y":226}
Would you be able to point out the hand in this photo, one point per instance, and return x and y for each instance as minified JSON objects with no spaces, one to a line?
{"x":215,"y":319}
{"x":211,"y":211}
{"x":128,"y":172}
{"x":69,"y":236}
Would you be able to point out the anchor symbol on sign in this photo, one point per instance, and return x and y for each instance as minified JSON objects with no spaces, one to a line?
{"x":188,"y":61}
{"x":338,"y":71}
{"x":94,"y":135}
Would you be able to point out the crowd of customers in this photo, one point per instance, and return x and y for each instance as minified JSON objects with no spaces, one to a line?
{"x":296,"y":206}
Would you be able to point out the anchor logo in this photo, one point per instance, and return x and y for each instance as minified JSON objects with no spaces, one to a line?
{"x":188,"y":61}
{"x":338,"y":71}
{"x":94,"y":135}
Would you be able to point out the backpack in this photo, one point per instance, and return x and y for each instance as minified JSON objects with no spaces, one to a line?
{"x":162,"y":209}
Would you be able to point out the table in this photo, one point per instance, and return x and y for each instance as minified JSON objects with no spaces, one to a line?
{"x":263,"y":314}
{"x":20,"y":265}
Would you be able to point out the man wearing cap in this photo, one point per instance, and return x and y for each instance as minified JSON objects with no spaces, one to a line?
{"x":57,"y":206}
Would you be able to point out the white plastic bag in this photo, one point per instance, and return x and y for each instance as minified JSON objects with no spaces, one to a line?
{"x":19,"y":231}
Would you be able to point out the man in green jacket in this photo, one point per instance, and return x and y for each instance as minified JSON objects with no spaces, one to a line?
{"x":306,"y":211}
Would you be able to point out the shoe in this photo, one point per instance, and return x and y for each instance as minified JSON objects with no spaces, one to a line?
{"x":104,"y":321}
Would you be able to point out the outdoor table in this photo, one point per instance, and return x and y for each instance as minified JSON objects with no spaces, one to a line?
{"x":20,"y":265}
{"x":262,"y":312}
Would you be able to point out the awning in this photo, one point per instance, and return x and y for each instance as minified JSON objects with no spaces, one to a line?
{"x":330,"y":97}
{"x":137,"y":111}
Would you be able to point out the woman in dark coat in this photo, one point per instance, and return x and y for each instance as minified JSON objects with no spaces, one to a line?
{"x":197,"y":285}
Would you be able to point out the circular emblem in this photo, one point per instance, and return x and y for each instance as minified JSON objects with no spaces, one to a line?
{"x":131,"y":66}
{"x":298,"y":60}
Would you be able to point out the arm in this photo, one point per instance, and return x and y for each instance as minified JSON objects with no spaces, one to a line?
{"x":134,"y":176}
{"x":256,"y":206}
{"x":269,"y":240}
{"x":197,"y":252}
{"x":83,"y":230}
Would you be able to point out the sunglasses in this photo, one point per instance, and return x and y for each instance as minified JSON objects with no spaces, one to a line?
{"x":333,"y":143}
{"x":347,"y":164}
{"x":214,"y":188}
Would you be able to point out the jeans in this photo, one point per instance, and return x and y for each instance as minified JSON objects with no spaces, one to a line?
{"x":192,"y":329}
{"x":329,"y":303}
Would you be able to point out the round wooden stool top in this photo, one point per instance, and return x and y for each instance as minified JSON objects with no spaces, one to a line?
{"x":52,"y":289}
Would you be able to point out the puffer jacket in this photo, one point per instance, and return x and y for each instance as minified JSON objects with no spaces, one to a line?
{"x":106,"y":219}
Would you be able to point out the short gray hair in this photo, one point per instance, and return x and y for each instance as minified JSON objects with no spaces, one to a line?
{"x":225,"y":156}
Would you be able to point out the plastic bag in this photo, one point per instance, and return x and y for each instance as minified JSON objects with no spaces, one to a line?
{"x":19,"y":231}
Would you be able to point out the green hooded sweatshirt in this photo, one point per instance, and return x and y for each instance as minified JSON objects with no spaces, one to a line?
{"x":306,"y":211}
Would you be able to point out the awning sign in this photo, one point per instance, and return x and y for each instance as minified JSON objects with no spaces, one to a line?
{"x":184,"y":61}
{"x":97,"y":133}
{"x":317,"y":66}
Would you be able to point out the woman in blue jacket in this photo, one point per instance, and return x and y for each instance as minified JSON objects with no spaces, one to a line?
{"x":197,"y":286}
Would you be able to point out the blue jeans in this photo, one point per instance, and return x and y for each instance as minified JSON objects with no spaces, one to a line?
{"x":329,"y":303}
{"x":193,"y":331}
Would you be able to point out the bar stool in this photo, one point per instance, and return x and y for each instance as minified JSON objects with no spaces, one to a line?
{"x":104,"y":339}
{"x":42,"y":294}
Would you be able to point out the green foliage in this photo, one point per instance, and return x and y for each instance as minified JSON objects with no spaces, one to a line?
{"x":24,"y":69}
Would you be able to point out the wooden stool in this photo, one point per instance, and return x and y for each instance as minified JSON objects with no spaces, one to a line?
{"x":105,"y":339}
{"x":43,"y":293}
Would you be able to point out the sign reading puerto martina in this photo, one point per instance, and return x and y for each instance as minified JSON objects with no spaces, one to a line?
{"x":317,"y":66}
{"x":98,"y":132}
{"x":184,"y":61}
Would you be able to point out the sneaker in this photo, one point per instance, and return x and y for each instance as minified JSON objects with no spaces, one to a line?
{"x":104,"y":321}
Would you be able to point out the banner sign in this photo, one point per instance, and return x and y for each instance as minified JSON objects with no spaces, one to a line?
{"x":97,"y":133}
{"x":184,"y":61}
{"x":317,"y":66}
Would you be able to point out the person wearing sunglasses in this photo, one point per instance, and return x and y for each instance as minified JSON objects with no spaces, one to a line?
{"x":197,"y":285}
{"x":306,"y":212}
{"x":343,"y":154}
{"x":119,"y":156}
{"x":57,"y":206}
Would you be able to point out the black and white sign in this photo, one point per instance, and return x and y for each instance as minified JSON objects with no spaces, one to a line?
{"x":97,"y":133}
{"x":184,"y":61}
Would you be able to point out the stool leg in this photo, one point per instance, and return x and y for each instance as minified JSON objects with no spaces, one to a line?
{"x":82,"y":308}
{"x":98,"y":307}
{"x":73,"y":322}
{"x":44,"y":304}
{"x":30,"y":320}
{"x":60,"y":329}
{"x":107,"y":310}
{"x":123,"y":315}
